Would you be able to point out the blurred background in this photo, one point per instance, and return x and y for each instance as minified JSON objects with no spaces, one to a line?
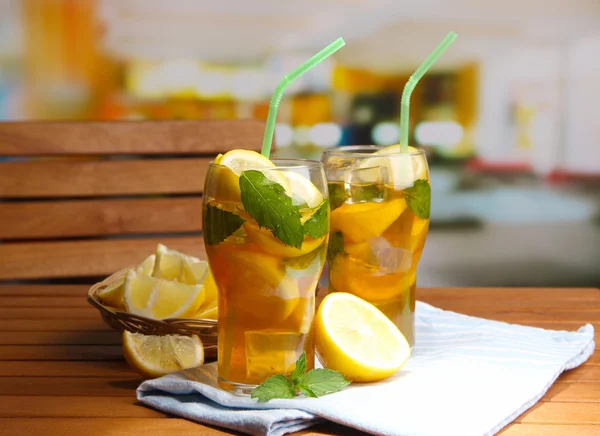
{"x":507,"y":115}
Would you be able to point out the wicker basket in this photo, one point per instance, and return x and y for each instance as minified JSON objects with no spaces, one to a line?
{"x":206,"y":329}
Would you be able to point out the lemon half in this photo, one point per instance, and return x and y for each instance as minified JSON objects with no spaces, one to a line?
{"x":356,"y":339}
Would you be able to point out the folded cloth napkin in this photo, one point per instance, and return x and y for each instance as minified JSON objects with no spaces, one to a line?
{"x":466,"y":376}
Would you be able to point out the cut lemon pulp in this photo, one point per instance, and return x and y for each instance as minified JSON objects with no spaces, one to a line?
{"x":356,"y":339}
{"x":267,"y":242}
{"x":160,"y":299}
{"x":112,"y":295}
{"x":155,"y":356}
{"x":363,"y":221}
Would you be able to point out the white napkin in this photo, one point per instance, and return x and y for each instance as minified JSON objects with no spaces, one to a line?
{"x":466,"y":376}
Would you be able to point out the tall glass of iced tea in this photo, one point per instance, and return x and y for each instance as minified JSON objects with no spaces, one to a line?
{"x":266,"y":227}
{"x":380,"y":200}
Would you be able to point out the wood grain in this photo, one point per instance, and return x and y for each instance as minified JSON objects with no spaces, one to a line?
{"x":551,"y":430}
{"x":63,"y":178}
{"x":128,"y":137}
{"x":51,"y":219}
{"x":563,"y":413}
{"x":86,"y":369}
{"x":85,"y":407}
{"x":573,"y":393}
{"x":61,"y":352}
{"x":57,"y":325}
{"x":105,"y":426}
{"x":41,"y":290}
{"x":24,"y":260}
{"x":60,"y":338}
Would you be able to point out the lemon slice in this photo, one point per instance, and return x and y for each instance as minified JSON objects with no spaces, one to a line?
{"x":362,"y":221}
{"x":356,"y":339}
{"x":267,"y":242}
{"x":160,"y":299}
{"x":112,"y":295}
{"x":155,"y":356}
{"x":303,"y":190}
{"x":208,"y":312}
{"x":402,"y":169}
{"x":173,"y":265}
{"x":239,"y":161}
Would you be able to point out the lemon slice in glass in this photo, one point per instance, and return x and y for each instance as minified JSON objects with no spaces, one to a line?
{"x":155,"y":356}
{"x":160,"y":299}
{"x":303,"y":190}
{"x":402,"y":169}
{"x":356,"y":339}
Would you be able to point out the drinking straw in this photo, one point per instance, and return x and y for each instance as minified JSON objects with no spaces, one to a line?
{"x":285,"y":82}
{"x":412,"y":82}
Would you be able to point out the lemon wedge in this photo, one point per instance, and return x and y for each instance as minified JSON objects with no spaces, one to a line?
{"x":303,"y":190}
{"x":267,"y":242}
{"x":208,"y":312}
{"x":112,"y":295}
{"x":160,"y":299}
{"x":173,"y":265}
{"x":363,"y":221}
{"x":155,"y":356}
{"x":356,"y":339}
{"x":402,"y":169}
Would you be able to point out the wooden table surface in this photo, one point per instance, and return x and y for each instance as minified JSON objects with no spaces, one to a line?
{"x":62,"y":371}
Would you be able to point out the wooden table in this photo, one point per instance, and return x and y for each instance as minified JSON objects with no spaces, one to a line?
{"x":62,"y":372}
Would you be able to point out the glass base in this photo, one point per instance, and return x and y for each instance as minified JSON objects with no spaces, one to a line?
{"x":240,"y":389}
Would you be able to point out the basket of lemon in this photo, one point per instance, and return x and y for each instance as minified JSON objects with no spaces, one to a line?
{"x":166,"y":306}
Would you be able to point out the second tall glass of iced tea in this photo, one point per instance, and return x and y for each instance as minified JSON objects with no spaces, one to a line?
{"x":380,"y":201}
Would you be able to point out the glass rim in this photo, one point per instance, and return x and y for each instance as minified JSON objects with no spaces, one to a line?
{"x":348,"y":151}
{"x":292,"y":163}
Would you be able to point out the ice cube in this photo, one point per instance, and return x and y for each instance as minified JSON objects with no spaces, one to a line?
{"x":271,"y":352}
{"x":366,"y":184}
{"x":402,"y":170}
{"x":390,"y":259}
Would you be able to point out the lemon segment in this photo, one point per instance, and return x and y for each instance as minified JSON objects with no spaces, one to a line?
{"x":112,"y":295}
{"x":267,"y":242}
{"x":208,"y":312}
{"x":402,"y":168}
{"x":356,"y":339}
{"x":176,"y":266}
{"x":160,"y":299}
{"x":155,"y":356}
{"x":303,"y":189}
{"x":362,"y":221}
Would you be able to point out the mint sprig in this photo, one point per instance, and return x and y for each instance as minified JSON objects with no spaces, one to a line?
{"x":336,"y":246}
{"x":337,"y":194}
{"x":317,"y":225}
{"x":314,"y":383}
{"x":219,"y":224}
{"x":418,"y":198}
{"x":267,"y":202}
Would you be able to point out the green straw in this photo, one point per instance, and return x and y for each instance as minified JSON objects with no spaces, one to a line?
{"x":412,"y":82}
{"x":285,"y":82}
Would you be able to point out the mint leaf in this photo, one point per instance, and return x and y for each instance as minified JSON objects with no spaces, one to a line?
{"x":320,"y":382}
{"x":277,"y":386}
{"x":337,"y":194}
{"x":336,"y":245}
{"x":219,"y":224}
{"x":418,"y":198}
{"x":317,"y":225}
{"x":300,"y":369}
{"x":268,"y":203}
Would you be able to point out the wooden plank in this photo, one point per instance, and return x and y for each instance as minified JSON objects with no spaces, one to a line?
{"x":70,"y":386}
{"x":43,"y":302}
{"x":551,"y":430}
{"x":562,"y":413}
{"x":128,"y":137}
{"x":582,"y":374}
{"x":573,"y":393}
{"x":105,"y":426}
{"x":48,"y":219}
{"x":28,"y":290}
{"x":55,"y":325}
{"x":60,"y":338}
{"x":62,"y":178}
{"x":49,"y":313}
{"x":87,"y":369}
{"x":61,"y":352}
{"x":67,"y":407}
{"x":84,"y":258}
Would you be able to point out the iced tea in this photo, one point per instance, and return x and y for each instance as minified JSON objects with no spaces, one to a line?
{"x":380,"y":204}
{"x":266,"y":233}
